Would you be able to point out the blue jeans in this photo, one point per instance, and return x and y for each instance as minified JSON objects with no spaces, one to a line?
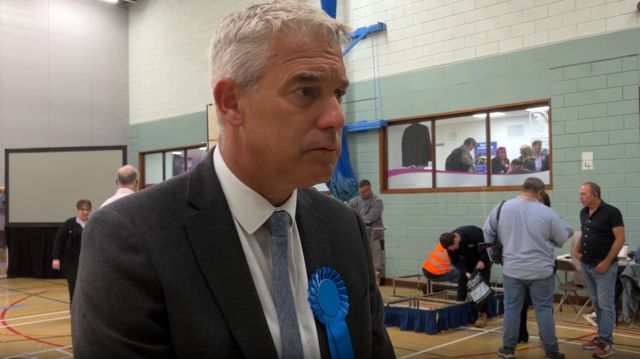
{"x":541,"y":292}
{"x":601,"y":288}
{"x":451,"y":276}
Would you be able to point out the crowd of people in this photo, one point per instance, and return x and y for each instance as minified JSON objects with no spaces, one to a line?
{"x":528,"y":230}
{"x":532,"y":159}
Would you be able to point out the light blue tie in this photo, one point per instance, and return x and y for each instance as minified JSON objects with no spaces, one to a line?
{"x":279,"y":224}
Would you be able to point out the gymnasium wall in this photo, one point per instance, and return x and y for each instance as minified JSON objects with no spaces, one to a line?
{"x":64,"y":78}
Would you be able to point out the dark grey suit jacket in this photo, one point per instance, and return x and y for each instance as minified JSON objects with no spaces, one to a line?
{"x":162,"y":274}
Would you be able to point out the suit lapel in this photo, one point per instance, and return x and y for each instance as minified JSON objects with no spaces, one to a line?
{"x":317,"y":253}
{"x":215,"y":241}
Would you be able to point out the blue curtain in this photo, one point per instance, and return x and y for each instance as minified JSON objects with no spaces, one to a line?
{"x":343,"y":184}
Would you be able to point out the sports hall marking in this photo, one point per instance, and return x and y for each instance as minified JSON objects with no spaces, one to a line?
{"x":38,"y":296}
{"x":619,"y":332}
{"x":6,"y":325}
{"x":483,"y":332}
{"x":61,"y":350}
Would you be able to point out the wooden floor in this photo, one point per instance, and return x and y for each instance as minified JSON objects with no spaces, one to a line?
{"x":34,"y":323}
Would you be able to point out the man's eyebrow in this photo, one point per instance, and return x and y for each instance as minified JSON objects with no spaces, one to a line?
{"x":314,"y":77}
{"x":307,"y":77}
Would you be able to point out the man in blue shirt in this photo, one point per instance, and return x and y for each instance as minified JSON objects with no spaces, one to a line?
{"x":529,"y":231}
{"x":602,"y":237}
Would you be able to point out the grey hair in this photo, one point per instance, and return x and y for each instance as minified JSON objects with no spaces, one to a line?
{"x":533,"y":184}
{"x":240,"y":47}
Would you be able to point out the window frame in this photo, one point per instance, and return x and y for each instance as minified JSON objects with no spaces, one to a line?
{"x":163,"y":151}
{"x":432,"y":118}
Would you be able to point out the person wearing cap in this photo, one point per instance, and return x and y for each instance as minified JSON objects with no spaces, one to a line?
{"x":529,"y":231}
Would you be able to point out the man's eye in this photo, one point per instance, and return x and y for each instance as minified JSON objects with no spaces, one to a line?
{"x":306,"y":91}
{"x":340,"y":94}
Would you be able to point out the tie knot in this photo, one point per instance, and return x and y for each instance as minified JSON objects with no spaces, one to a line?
{"x":279,"y":223}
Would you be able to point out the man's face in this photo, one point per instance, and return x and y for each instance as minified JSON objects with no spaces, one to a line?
{"x":292,"y":122}
{"x":83,"y":212}
{"x":365,"y":191}
{"x":537,"y":147}
{"x":586,"y":197}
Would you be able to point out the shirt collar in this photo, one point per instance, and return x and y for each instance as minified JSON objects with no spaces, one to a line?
{"x":600,"y":205}
{"x":80,"y":221}
{"x":250,"y":209}
{"x":124,"y":190}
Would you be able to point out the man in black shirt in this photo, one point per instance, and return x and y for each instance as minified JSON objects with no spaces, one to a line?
{"x":602,"y":237}
{"x":467,"y":258}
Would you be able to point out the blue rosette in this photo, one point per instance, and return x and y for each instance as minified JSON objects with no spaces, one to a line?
{"x":330,"y":304}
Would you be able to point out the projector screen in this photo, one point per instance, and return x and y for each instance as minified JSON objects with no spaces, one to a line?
{"x":43,"y":185}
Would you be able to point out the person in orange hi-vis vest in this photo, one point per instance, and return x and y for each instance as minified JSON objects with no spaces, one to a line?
{"x":437,"y":267}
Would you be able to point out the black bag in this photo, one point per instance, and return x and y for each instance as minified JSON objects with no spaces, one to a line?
{"x":496,"y":247}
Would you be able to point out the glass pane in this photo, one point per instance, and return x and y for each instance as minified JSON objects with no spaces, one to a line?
{"x":173,"y":164}
{"x":522,"y":138}
{"x":460,"y":152}
{"x":194,"y":156}
{"x":409,"y":156}
{"x":152,"y":169}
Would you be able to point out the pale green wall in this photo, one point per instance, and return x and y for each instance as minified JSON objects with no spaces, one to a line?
{"x":179,"y":131}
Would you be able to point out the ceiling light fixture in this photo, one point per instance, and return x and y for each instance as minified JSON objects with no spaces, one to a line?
{"x":539,"y":109}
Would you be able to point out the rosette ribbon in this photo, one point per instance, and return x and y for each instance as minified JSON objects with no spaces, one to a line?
{"x":330,"y":304}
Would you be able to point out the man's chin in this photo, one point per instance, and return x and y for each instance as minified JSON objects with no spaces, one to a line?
{"x":319,"y":175}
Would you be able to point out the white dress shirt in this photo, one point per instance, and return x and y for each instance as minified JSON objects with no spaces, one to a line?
{"x":250,"y":211}
{"x":121,"y":192}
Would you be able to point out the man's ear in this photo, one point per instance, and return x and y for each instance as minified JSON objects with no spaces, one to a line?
{"x":225,"y":95}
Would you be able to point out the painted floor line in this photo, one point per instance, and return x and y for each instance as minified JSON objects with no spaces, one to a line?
{"x":40,"y":296}
{"x":35,"y":322}
{"x":35,"y":315}
{"x":451,"y":342}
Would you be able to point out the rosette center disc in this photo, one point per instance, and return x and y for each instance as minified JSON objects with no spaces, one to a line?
{"x":329,"y":297}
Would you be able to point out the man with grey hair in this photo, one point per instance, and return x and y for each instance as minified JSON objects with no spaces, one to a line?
{"x":127,"y":179}
{"x":238,"y":258}
{"x":528,"y":231}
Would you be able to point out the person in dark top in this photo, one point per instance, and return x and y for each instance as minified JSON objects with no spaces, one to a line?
{"x":66,"y":246}
{"x":416,"y":146}
{"x":467,"y":258}
{"x":602,"y":237}
{"x":528,"y":158}
{"x":516,"y":167}
{"x":500,"y":163}
{"x":460,"y":158}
